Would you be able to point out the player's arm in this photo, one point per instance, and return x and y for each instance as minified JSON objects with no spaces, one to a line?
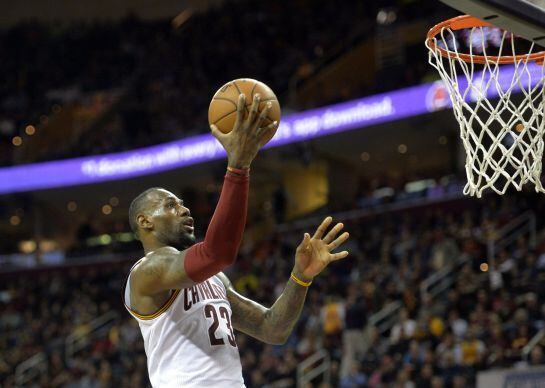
{"x":274,"y":325}
{"x":167,"y":268}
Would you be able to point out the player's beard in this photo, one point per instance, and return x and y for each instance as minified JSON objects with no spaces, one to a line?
{"x":185,"y":240}
{"x":179,"y":239}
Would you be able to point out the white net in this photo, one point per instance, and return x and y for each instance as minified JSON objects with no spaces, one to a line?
{"x":500,"y":107}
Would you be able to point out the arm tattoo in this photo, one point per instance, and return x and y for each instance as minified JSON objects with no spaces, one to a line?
{"x":285,"y":312}
{"x":159,"y":265}
{"x":273,"y":325}
{"x":153,"y":269}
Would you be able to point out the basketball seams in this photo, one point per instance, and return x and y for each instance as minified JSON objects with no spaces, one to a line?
{"x":252,"y":96}
{"x":226,"y":99}
{"x":239,"y":92}
{"x":224,"y":116}
{"x":253,"y":90}
{"x":236,"y":86}
{"x":227,"y":121}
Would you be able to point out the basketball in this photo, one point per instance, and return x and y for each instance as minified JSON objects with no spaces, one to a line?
{"x":223,"y":107}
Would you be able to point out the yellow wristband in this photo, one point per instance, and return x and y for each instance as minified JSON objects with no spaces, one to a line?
{"x":299,"y":281}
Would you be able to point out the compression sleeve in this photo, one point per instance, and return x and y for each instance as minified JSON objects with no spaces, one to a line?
{"x":222,"y":240}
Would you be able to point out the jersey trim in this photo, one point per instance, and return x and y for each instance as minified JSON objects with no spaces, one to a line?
{"x":163,"y":308}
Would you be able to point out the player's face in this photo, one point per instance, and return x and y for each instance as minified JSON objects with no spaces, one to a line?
{"x":173,"y":224}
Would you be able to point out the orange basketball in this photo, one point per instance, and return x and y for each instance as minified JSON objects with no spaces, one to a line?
{"x":223,"y":107}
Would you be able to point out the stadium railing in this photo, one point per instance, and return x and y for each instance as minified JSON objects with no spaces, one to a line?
{"x":78,"y":340}
{"x":31,"y":368}
{"x":311,"y":367}
{"x":510,"y":232}
{"x":442,"y":280}
{"x":536,"y":339}
{"x":431,"y":287}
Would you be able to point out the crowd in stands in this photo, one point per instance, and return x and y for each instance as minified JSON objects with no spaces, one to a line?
{"x":168,"y":75}
{"x":482,"y":321}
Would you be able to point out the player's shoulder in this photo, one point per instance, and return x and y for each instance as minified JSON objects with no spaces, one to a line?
{"x":225,"y":280}
{"x":163,"y":251}
{"x":153,"y":257}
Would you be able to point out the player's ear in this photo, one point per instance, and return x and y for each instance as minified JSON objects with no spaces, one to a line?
{"x":144,"y":222}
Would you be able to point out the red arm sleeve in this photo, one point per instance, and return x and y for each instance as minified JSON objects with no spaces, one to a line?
{"x":222,"y":240}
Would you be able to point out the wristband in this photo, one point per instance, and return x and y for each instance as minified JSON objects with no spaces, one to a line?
{"x":299,"y":281}
{"x":239,"y":171}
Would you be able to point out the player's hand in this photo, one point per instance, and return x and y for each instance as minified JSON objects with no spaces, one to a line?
{"x":314,"y":253}
{"x":247,"y":136}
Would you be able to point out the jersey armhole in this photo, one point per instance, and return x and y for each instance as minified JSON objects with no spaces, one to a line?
{"x":145,"y":317}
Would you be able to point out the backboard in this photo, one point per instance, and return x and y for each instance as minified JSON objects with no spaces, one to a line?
{"x":524,"y":18}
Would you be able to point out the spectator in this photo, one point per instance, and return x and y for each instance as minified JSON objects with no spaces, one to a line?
{"x":353,"y":337}
{"x":403,"y":330}
{"x":471,"y":350}
{"x":355,"y":378}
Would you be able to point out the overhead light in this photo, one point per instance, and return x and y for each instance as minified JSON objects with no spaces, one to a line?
{"x":72,"y":206}
{"x":105,"y":239}
{"x":47,"y":246}
{"x":365,"y":156}
{"x":106,"y":209}
{"x":124,"y":237}
{"x":27,"y":246}
{"x":383,"y":192}
{"x":386,"y":16}
{"x":181,"y":18}
{"x":15,"y":220}
{"x":114,"y":201}
{"x":17,"y":141}
{"x":30,"y":130}
{"x":402,"y":148}
{"x":420,"y":185}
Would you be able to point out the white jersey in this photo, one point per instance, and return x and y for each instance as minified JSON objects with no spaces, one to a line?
{"x":189,"y":341}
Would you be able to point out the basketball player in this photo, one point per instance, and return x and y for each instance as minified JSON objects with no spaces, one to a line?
{"x":185,"y":306}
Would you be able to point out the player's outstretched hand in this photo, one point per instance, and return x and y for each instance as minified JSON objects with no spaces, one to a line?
{"x":314,"y":253}
{"x":247,"y":136}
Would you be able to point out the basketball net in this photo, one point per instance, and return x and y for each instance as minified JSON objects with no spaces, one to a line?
{"x":503,"y":138}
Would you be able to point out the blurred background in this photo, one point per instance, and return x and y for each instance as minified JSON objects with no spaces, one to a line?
{"x":438,"y":287}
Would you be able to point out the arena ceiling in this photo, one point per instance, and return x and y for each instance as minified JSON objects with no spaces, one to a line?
{"x":70,"y":11}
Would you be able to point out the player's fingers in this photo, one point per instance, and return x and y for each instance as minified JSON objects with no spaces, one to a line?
{"x":241,"y":109}
{"x":217,"y":133}
{"x":322,"y":228}
{"x":333,"y":233}
{"x":338,"y":256}
{"x":305,"y":244}
{"x":338,"y":241}
{"x":263,"y":115}
{"x":254,"y":109}
{"x":263,"y":132}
